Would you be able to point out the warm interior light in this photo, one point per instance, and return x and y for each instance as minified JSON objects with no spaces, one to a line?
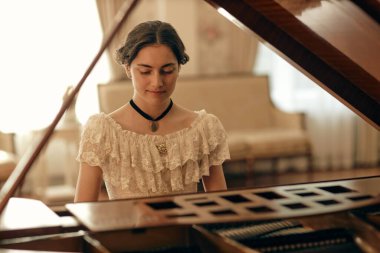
{"x":42,"y":53}
{"x":230,"y":17}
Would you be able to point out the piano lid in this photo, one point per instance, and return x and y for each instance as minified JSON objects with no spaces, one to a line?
{"x":336,"y":43}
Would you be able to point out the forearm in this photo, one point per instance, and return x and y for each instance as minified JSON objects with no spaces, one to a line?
{"x":216,"y":180}
{"x":88,"y":185}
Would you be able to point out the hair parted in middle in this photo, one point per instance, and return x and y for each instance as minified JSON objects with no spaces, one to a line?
{"x":150,"y":33}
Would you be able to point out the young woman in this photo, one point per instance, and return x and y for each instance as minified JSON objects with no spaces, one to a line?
{"x":151,"y":146}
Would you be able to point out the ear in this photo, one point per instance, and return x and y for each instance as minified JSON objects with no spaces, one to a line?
{"x":128,"y":71}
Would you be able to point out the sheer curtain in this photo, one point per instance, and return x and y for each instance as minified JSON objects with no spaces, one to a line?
{"x":107,"y":9}
{"x":45,"y":47}
{"x":340,"y":138}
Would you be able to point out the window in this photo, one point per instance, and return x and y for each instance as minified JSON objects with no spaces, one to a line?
{"x":45,"y":47}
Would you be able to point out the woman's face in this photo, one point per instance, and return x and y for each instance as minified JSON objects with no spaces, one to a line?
{"x":154,"y":73}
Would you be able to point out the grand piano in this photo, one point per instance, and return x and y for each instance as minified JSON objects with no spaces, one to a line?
{"x":335,"y":43}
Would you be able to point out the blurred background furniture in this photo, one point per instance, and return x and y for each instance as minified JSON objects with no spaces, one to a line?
{"x":54,"y":176}
{"x":8,"y":158}
{"x":256,"y":129}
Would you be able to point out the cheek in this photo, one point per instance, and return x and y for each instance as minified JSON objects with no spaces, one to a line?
{"x":139,"y":81}
{"x":171,"y":79}
{"x":170,"y":83}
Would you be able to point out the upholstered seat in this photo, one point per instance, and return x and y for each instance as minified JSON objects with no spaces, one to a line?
{"x":267,"y":143}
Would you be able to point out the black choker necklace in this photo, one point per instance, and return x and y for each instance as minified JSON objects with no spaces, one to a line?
{"x":154,"y":125}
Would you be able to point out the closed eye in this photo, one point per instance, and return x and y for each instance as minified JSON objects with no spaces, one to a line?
{"x":167,"y":72}
{"x":167,"y":69}
{"x":144,"y":72}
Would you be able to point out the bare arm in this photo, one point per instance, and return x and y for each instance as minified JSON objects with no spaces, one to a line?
{"x":216,"y":180}
{"x":89,"y":182}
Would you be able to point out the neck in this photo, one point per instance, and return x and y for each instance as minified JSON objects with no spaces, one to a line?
{"x":152,"y":109}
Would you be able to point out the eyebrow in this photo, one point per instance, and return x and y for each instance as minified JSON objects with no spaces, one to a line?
{"x":148,"y":66}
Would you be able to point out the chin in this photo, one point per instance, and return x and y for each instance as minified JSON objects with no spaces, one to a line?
{"x":158,"y":98}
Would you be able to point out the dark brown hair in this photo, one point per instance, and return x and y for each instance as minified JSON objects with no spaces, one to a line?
{"x":149,"y":33}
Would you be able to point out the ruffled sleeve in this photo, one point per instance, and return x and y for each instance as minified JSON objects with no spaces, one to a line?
{"x":93,"y":147}
{"x":217,"y":139}
{"x":192,"y":154}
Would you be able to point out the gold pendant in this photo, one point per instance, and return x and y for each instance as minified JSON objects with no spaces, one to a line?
{"x":154,"y":126}
{"x":162,"y":149}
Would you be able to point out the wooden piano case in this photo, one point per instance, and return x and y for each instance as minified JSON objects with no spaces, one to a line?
{"x":339,"y":216}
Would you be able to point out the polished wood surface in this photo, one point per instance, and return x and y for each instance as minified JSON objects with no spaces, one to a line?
{"x":247,"y":204}
{"x":334,"y":43}
{"x":348,"y":29}
{"x":214,"y":222}
{"x":372,"y":7}
{"x":27,"y":217}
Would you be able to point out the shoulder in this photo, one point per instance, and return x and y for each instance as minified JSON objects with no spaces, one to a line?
{"x":208,"y":124}
{"x":99,"y":122}
{"x":95,"y":119}
{"x":200,"y":117}
{"x":209,"y":118}
{"x":184,"y":116}
{"x":121,"y":113}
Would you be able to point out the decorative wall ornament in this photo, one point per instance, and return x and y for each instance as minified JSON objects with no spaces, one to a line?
{"x":223,"y":47}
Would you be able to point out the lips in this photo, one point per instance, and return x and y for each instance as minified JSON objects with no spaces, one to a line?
{"x":156,"y":91}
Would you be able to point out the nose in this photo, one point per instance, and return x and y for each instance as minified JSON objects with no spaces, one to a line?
{"x":157,"y":81}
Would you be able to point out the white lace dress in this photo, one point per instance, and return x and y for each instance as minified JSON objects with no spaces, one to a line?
{"x":142,"y":165}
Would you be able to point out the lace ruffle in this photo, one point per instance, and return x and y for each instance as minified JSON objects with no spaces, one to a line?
{"x":132,"y":162}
